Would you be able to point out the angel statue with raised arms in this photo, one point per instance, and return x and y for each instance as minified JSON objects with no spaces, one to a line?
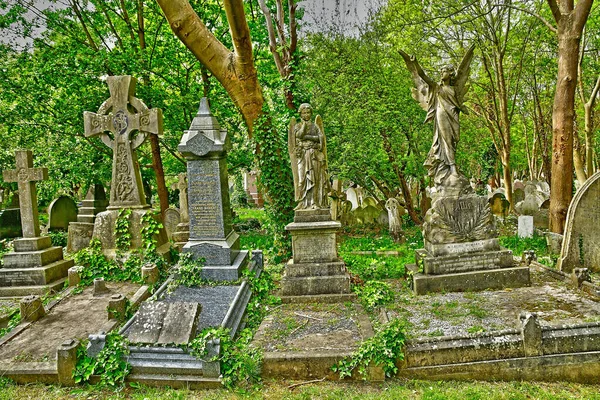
{"x":443,"y":102}
{"x":308,"y":153}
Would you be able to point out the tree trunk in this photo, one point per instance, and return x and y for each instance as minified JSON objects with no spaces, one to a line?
{"x":563,"y":112}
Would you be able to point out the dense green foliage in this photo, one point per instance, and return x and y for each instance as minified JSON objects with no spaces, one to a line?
{"x":110,"y":364}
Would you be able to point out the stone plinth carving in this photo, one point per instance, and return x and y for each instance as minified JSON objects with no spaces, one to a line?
{"x":211,"y":235}
{"x":35,"y":266}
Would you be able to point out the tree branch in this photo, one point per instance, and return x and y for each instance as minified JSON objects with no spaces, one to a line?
{"x":534,"y":14}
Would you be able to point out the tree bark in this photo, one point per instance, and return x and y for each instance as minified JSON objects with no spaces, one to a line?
{"x":571,"y":20}
{"x":233,"y":69}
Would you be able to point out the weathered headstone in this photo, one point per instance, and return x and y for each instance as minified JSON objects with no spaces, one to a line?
{"x":352,"y":197}
{"x":368,"y":212}
{"x":337,"y":196}
{"x":212,"y":236}
{"x":35,"y":267}
{"x":499,"y":205}
{"x":61,"y":212}
{"x":182,"y":232}
{"x":525,"y":228}
{"x":346,"y":217}
{"x":10,"y":219}
{"x":129,"y":121}
{"x":518,"y":195}
{"x":581,"y":243}
{"x":251,"y":188}
{"x":534,"y":205}
{"x":81,"y":231}
{"x":395,"y":212}
{"x":171,"y":218}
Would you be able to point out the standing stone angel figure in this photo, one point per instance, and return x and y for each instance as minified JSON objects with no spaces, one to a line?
{"x":308,"y":153}
{"x":443,"y":102}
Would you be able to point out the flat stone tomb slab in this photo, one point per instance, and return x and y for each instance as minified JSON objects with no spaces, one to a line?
{"x":164,"y":323}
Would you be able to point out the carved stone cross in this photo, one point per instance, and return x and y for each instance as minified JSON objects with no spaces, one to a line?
{"x":26,"y":176}
{"x":121,"y":115}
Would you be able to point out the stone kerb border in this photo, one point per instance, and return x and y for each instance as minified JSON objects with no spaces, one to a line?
{"x":47,"y":372}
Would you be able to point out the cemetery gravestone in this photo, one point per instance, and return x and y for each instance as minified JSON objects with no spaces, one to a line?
{"x":581,"y":243}
{"x":81,"y":231}
{"x":212,"y":236}
{"x":352,"y":197}
{"x":315,"y":273}
{"x":35,"y":267}
{"x":337,"y":197}
{"x":129,"y":121}
{"x":254,"y":195}
{"x":525,"y":227}
{"x":518,"y":195}
{"x":171,"y":218}
{"x":394,"y":217}
{"x":10,"y":220}
{"x":499,"y":205}
{"x":61,"y":212}
{"x":182,"y":232}
{"x":461,"y":251}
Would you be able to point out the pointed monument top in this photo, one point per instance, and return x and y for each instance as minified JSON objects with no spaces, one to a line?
{"x":204,"y":109}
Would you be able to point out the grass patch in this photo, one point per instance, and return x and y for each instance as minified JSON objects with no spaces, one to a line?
{"x":518,"y":245}
{"x":375,"y":267}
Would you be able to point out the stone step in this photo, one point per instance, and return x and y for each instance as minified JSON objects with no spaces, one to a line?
{"x":22,"y":291}
{"x":303,"y":286}
{"x":32,"y":259}
{"x":177,"y":368}
{"x":315,"y":269}
{"x":176,"y":382}
{"x":35,"y":276}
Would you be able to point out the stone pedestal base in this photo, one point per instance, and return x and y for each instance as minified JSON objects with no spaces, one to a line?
{"x":315,"y":269}
{"x":223,"y":259}
{"x":104,"y":230}
{"x":181,"y":235}
{"x":35,"y":267}
{"x":467,"y":271}
{"x":80,"y":236}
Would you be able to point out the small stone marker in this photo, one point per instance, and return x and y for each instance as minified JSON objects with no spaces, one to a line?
{"x":581,"y":243}
{"x":66,"y":361}
{"x":61,"y":212}
{"x":165,"y":323}
{"x":352,"y":197}
{"x":117,"y":307}
{"x":31,"y":308}
{"x":74,"y":275}
{"x":150,"y":274}
{"x":525,"y":229}
{"x":26,"y":176}
{"x":100,"y":287}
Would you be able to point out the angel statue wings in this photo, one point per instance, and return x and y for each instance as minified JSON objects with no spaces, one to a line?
{"x":443,"y":102}
{"x":308,"y":153}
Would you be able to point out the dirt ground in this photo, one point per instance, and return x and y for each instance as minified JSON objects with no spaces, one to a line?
{"x":445,"y":314}
{"x":312,"y":327}
{"x":76,"y":316}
